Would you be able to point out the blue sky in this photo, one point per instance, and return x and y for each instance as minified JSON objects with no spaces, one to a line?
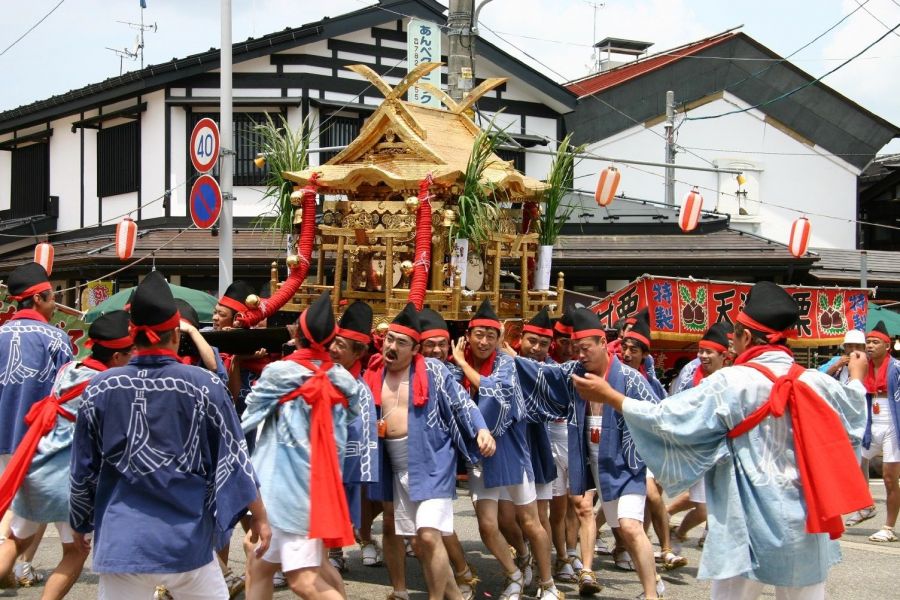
{"x":68,"y":49}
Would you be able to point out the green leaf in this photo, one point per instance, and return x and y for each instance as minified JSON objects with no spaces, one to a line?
{"x":684,"y":293}
{"x":701,"y":295}
{"x":559,"y":181}
{"x":838,"y":301}
{"x":823,"y":302}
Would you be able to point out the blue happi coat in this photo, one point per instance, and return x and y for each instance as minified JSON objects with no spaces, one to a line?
{"x":757,"y":513}
{"x":499,"y":398}
{"x":542,"y":462}
{"x":31,"y":354}
{"x":159,"y":466}
{"x":549,"y":391}
{"x":44,"y":495}
{"x":282,"y":454}
{"x":685,"y":378}
{"x":649,"y":373}
{"x":893,"y":394}
{"x":450,"y":421}
{"x":361,"y":453}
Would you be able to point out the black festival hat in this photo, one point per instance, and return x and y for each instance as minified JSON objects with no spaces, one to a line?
{"x":235,"y":296}
{"x":356,"y":323}
{"x":644,"y":313}
{"x":27,"y":280}
{"x":433,"y":324}
{"x":716,"y":337}
{"x":407,"y":323}
{"x":317,"y":321}
{"x":187,"y":312}
{"x":112,"y":330}
{"x":769,"y":312}
{"x":540,"y":324}
{"x":880,"y":332}
{"x":153,"y":307}
{"x":485,"y":316}
{"x":640,"y":329}
{"x":563,"y":326}
{"x":586,"y":323}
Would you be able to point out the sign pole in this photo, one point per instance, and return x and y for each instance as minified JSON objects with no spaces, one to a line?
{"x":226,"y":169}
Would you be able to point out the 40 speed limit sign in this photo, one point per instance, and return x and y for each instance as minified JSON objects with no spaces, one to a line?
{"x":205,"y":145}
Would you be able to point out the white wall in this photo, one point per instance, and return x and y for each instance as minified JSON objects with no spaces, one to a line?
{"x":65,"y":173}
{"x":5,"y":180}
{"x":792,"y":174}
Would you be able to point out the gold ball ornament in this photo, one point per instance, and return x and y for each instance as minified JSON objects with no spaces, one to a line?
{"x":382,"y":328}
{"x":412,"y":203}
{"x":449,"y":217}
{"x":406,"y":267}
{"x":252,"y":301}
{"x":293,"y":260}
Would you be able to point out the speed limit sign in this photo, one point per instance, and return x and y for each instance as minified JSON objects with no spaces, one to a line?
{"x":205,"y":145}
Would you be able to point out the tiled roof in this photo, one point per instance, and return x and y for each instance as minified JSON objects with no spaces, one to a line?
{"x":601,"y":81}
{"x":843,"y":266}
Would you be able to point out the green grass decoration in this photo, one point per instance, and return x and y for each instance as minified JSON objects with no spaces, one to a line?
{"x":285,"y":150}
{"x":556,"y":213}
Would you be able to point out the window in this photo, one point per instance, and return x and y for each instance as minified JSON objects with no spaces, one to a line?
{"x":246,"y":144}
{"x":118,"y":159}
{"x":336,"y":130}
{"x":30,"y":181}
{"x":516,"y":156}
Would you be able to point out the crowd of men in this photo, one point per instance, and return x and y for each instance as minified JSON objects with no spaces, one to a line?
{"x":151,"y":459}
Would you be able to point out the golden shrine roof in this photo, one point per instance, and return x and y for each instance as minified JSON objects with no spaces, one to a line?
{"x":402,"y":142}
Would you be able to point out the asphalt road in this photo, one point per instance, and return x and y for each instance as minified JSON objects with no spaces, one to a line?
{"x":868,"y":570}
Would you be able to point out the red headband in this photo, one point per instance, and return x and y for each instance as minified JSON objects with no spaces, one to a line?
{"x":116,"y":344}
{"x":232,"y":304}
{"x":772,"y":335}
{"x":583,"y":333}
{"x":563,"y":330}
{"x":397,"y":328}
{"x":529,"y":328}
{"x":352,"y":334}
{"x":881,"y":336}
{"x":711,"y":345}
{"x":430,"y":333}
{"x":633,"y":335}
{"x":484,"y":323}
{"x":150,"y":330}
{"x":35,"y":289}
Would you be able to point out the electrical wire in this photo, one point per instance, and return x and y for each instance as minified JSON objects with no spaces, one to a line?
{"x":871,"y":14}
{"x":32,"y":28}
{"x":797,"y":89}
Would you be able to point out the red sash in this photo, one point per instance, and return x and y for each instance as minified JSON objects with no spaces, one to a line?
{"x":374,"y":378}
{"x":487,"y":367}
{"x":41,"y":419}
{"x":329,"y":517}
{"x":876,"y":381}
{"x":830,"y":477}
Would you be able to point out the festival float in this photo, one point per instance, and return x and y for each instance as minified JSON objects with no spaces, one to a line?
{"x":418,"y":208}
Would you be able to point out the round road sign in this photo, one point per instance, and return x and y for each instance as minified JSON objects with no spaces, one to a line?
{"x":205,"y":202}
{"x":205,"y":145}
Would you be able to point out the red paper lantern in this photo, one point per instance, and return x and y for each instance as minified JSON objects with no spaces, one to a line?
{"x":690,"y":210}
{"x":799,"y":242}
{"x":607,"y":186}
{"x":126,"y":236}
{"x":43,"y":255}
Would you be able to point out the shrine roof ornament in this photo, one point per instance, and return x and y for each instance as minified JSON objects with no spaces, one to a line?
{"x":402,"y":142}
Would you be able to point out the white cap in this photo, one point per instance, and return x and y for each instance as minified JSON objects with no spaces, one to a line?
{"x":854,"y":336}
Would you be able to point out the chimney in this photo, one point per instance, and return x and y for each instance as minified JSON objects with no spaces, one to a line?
{"x":614,"y":52}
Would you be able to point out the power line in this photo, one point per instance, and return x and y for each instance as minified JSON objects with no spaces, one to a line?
{"x":797,"y":89}
{"x":871,"y":14}
{"x":33,"y":27}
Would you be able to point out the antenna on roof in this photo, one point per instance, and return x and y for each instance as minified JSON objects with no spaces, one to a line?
{"x":595,"y":56}
{"x":123,"y":54}
{"x":139,"y":41}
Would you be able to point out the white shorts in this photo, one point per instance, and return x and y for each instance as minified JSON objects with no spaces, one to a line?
{"x":629,"y":506}
{"x":741,"y":588}
{"x":559,"y":446}
{"x":697,"y":492}
{"x":293,"y":551}
{"x":544,"y":491}
{"x":884,"y":443}
{"x":520,"y":495}
{"x":410,"y":516}
{"x":205,"y":583}
{"x":23,"y":528}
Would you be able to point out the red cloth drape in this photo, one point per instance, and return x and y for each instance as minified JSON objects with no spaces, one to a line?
{"x":876,"y":381}
{"x":374,"y":378}
{"x":41,"y":419}
{"x":329,"y":516}
{"x":830,"y":477}
{"x":487,"y":367}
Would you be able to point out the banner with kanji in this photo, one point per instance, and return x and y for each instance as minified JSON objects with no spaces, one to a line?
{"x":65,"y":318}
{"x":682,"y":310}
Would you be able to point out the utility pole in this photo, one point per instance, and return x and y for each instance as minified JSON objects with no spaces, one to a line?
{"x":670,"y":148}
{"x":460,"y":70}
{"x":226,"y":161}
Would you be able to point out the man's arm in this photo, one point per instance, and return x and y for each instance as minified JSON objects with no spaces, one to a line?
{"x":463,"y":411}
{"x":204,"y":350}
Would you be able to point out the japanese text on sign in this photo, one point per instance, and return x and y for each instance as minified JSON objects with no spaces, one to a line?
{"x":423,"y":45}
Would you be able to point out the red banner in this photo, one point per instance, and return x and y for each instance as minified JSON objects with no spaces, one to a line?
{"x":683,"y":309}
